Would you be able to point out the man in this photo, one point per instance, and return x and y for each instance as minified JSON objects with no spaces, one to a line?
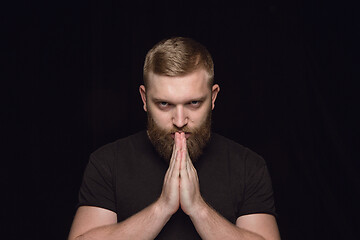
{"x":177,"y":180}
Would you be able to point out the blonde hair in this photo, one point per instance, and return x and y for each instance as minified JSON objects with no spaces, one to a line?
{"x":178,"y":56}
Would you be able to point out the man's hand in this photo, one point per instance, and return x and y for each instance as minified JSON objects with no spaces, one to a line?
{"x":181,"y":183}
{"x":190,"y":197}
{"x":170,"y":195}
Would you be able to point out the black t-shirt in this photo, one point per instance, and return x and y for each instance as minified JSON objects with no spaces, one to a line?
{"x":127,"y":175}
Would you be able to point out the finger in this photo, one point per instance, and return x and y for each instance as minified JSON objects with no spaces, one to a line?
{"x":176,"y":148}
{"x":175,"y":166}
{"x":191,"y":170}
{"x":173,"y":152}
{"x":183,"y":170}
{"x":176,"y":170}
{"x":189,"y":166}
{"x":183,"y":141}
{"x":173,"y":163}
{"x":173,"y":157}
{"x":193,"y":173}
{"x":178,"y":143}
{"x":183,"y":148}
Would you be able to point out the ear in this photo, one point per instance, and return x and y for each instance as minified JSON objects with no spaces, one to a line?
{"x":214,"y":92}
{"x":142,"y":91}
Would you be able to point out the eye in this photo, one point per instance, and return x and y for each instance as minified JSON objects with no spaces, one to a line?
{"x":163,"y":105}
{"x":195,"y":104}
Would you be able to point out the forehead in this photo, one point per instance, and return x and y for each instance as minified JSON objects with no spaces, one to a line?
{"x":179,"y":89}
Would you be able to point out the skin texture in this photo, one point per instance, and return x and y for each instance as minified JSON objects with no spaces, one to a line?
{"x":175,"y":101}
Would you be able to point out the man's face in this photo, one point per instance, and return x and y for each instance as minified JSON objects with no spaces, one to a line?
{"x":180,"y":104}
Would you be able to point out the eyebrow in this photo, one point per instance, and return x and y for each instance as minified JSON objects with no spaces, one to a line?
{"x":200,"y":99}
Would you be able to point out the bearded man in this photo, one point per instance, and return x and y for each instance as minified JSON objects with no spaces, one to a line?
{"x":177,"y":180}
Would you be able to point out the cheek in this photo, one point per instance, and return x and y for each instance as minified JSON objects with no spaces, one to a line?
{"x":162,"y":119}
{"x":198,"y":117}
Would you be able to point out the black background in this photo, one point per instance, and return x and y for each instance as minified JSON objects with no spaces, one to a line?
{"x":288,"y":72}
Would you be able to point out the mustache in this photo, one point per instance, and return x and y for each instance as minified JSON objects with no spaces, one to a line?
{"x":184,"y":129}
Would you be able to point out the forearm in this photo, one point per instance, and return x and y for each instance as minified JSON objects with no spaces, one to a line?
{"x":211,"y":225}
{"x":146,"y":224}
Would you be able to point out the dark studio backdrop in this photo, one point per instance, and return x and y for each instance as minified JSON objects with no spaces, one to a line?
{"x":287,"y":70}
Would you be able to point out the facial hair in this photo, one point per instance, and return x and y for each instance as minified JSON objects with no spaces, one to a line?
{"x":163,"y":142}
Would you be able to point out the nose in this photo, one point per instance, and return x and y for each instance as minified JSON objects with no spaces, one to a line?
{"x":180,"y":118}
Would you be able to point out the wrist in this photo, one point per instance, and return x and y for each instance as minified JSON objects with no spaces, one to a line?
{"x":200,"y":209}
{"x":162,"y":210}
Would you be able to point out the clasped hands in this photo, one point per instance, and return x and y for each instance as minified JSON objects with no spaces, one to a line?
{"x":181,"y":183}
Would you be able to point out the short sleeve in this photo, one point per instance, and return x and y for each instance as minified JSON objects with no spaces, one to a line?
{"x":97,"y":186}
{"x":258,"y":193}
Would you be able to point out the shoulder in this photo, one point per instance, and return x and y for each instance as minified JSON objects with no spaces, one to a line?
{"x":234,"y":149}
{"x":123,"y":143}
{"x":108,"y":152}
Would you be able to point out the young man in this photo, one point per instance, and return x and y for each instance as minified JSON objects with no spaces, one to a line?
{"x":177,"y":180}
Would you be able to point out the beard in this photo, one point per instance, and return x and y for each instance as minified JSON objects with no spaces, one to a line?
{"x":163,"y":142}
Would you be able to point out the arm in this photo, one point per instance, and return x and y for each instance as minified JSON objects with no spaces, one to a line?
{"x":98,"y":223}
{"x":211,"y":225}
{"x":208,"y":223}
